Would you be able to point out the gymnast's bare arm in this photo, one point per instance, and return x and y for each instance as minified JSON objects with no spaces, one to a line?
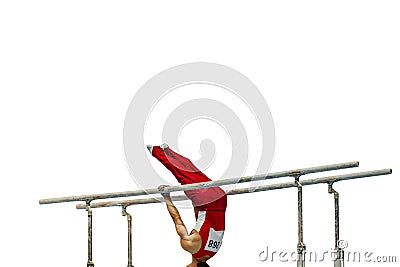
{"x":189,"y":242}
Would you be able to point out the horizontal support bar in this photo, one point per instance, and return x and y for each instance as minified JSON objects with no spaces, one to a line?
{"x":328,"y":179}
{"x":260,"y":177}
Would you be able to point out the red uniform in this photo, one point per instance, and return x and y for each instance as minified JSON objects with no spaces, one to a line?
{"x":211,"y":202}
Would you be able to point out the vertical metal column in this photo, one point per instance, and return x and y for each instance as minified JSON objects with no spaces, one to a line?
{"x":339,"y":252}
{"x":90,"y":239}
{"x":301,"y":247}
{"x":129,"y":219}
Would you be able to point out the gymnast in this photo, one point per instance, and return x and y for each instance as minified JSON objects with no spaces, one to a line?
{"x":204,"y":241}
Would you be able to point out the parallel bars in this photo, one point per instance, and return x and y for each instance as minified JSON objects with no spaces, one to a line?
{"x":339,"y":261}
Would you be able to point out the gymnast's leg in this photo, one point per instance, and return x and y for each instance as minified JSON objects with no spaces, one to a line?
{"x":182,"y":168}
{"x":187,"y":173}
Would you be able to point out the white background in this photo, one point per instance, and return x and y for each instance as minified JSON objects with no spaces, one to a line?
{"x":69,"y":69}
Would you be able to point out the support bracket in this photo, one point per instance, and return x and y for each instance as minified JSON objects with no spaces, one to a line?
{"x":338,"y":252}
{"x":301,"y":247}
{"x":90,"y":262}
{"x":129,"y":220}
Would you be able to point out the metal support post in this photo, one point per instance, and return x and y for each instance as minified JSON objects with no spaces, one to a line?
{"x":90,"y":239}
{"x":301,"y":247}
{"x":339,"y":252}
{"x":129,"y":219}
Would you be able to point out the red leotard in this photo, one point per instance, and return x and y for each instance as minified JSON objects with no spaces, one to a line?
{"x":211,"y":202}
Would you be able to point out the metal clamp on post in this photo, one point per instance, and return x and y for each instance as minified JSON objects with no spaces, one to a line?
{"x":301,"y":247}
{"x":339,"y":252}
{"x":90,"y":262}
{"x":129,"y":220}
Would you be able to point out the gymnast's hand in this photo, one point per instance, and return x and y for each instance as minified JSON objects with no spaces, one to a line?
{"x":161,"y":189}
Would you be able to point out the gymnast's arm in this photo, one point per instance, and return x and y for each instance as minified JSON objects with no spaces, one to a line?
{"x":190,"y":243}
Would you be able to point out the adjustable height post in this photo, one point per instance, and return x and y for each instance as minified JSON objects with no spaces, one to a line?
{"x":301,"y":247}
{"x":90,"y":240}
{"x":129,"y":219}
{"x":339,"y":252}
